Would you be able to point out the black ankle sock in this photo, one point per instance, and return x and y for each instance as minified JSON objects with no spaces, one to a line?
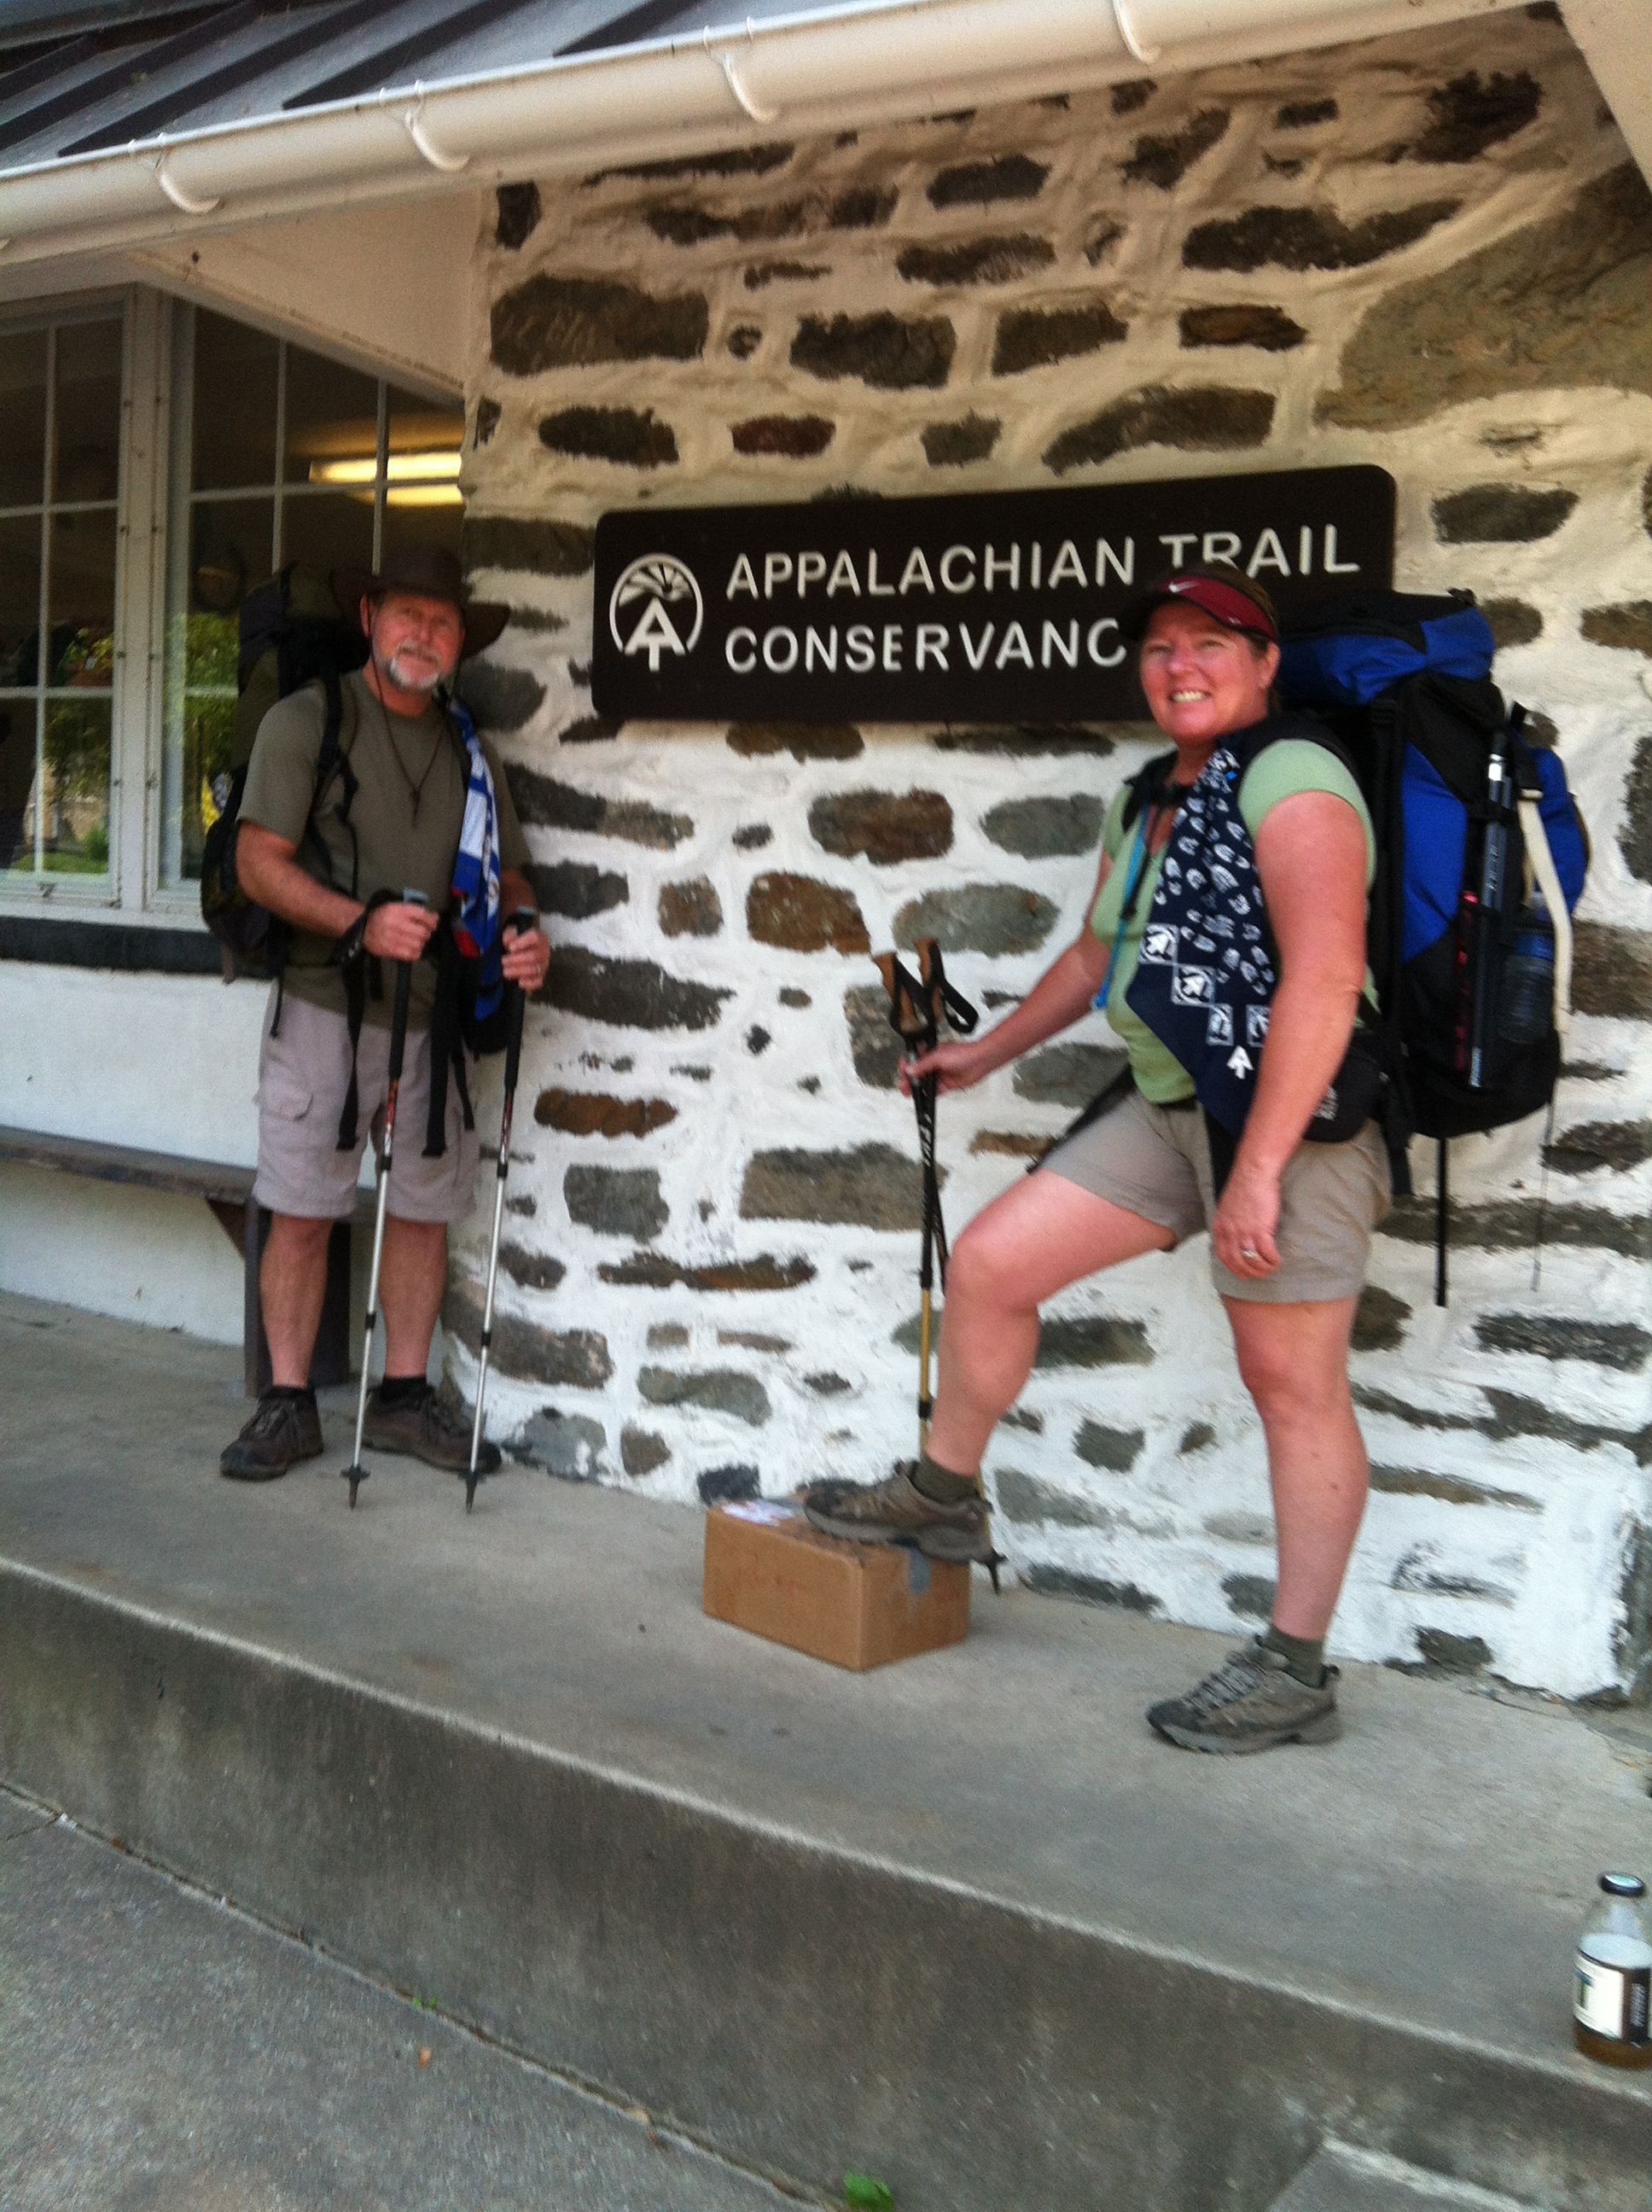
{"x":401,"y":1389}
{"x":302,"y":1394}
{"x":1304,"y":1655}
{"x":943,"y":1486}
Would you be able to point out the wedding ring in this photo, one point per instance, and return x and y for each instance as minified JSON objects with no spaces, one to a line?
{"x":1248,"y":1252}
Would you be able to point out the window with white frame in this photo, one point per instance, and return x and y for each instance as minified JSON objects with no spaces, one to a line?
{"x":158,"y":460}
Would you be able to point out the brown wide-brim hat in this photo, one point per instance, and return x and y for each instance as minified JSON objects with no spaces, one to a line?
{"x":429,"y":572}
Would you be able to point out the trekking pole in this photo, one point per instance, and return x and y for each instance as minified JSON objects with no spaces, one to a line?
{"x":907,"y":1020}
{"x":356,"y":1474}
{"x":516,"y":1006}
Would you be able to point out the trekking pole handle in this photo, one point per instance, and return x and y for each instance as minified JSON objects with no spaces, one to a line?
{"x":403,"y":992}
{"x":516,"y":1000}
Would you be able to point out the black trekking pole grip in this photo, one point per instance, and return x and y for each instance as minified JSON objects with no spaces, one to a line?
{"x":398,"y":1004}
{"x":516,"y":1004}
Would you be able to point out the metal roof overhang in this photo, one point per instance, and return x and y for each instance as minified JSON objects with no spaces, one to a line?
{"x":826,"y":70}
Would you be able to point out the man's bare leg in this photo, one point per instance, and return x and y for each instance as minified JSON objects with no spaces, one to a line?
{"x":292,"y":1286}
{"x":412,"y":1277}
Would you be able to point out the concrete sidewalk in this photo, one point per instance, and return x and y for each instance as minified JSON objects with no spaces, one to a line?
{"x":963,"y":1921}
{"x":159,"y":2051}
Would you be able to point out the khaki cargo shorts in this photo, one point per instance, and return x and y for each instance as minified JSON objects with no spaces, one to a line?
{"x":303,"y":1074}
{"x":1156,"y":1161}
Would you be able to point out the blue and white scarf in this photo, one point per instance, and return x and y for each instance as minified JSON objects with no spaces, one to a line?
{"x":1206,"y":976}
{"x":478,"y":925}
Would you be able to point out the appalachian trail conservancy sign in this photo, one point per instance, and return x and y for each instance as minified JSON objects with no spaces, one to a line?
{"x":999,"y":606}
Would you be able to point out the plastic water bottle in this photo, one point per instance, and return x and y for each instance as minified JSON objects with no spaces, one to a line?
{"x":1525,"y":997}
{"x":1612,"y":2006}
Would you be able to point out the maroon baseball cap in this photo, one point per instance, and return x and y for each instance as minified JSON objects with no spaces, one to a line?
{"x":1226,"y":593}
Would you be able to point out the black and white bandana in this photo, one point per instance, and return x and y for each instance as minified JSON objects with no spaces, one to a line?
{"x":1206,"y":976}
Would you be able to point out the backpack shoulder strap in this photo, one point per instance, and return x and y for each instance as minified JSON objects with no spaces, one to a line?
{"x":1140,"y":789}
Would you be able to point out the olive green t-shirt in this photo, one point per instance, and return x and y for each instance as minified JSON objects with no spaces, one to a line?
{"x":1281,"y":770}
{"x":398,"y":844}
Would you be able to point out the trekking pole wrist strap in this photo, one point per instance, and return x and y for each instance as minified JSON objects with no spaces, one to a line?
{"x":348,"y":948}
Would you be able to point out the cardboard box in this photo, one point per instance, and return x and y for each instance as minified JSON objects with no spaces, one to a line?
{"x":857,"y":1604}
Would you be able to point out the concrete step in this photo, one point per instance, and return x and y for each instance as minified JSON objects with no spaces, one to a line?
{"x":963,"y":1924}
{"x":1339,"y":2178}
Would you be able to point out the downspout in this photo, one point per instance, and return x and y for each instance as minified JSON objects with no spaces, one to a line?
{"x":824,"y":70}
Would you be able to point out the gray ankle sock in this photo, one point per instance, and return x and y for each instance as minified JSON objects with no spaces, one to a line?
{"x":941,"y":1484}
{"x":1304,"y":1655}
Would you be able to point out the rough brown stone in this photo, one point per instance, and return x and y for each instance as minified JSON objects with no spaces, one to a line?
{"x":599,"y":1114}
{"x":915,"y":826}
{"x":552,"y":804}
{"x":976,"y":184}
{"x":1635,"y":838}
{"x":1010,"y":1144}
{"x":1512,"y":622}
{"x":1067,"y":1074}
{"x":1116,"y":1449}
{"x":719,"y":1389}
{"x":588,"y":730}
{"x":653,"y":1271}
{"x":730,"y":162}
{"x":1270,"y":328}
{"x":1302,"y":238}
{"x":575,"y":1357}
{"x":867,"y":1187}
{"x":992,"y":918}
{"x":1560,"y":304}
{"x":794,"y":437}
{"x":804,"y":914}
{"x":1132,"y":95}
{"x":1038,"y":829}
{"x":892,"y":352}
{"x":1090,"y":1589}
{"x":859,"y":207}
{"x":1618,"y":1344}
{"x":1034,"y":337}
{"x":642,"y":1451}
{"x":1164,"y":159}
{"x":571,"y":1447}
{"x":630,"y":993}
{"x":501,"y":698}
{"x":616,"y":1201}
{"x":634,"y":439}
{"x":576,"y":322}
{"x":727,"y":1485}
{"x":690,"y":909}
{"x":1417,"y":1572}
{"x":753,"y":837}
{"x":1619,"y":1146}
{"x":762,"y":274}
{"x":1301,"y":114}
{"x":1500,"y":514}
{"x":873,"y":1046}
{"x":1203,"y":418}
{"x":1027,"y":740}
{"x":1025,"y":1498}
{"x":487,"y":412}
{"x":743,"y":340}
{"x":537,"y":548}
{"x":805,"y":741}
{"x":572,"y":887}
{"x":518,"y":212}
{"x":1102,"y":235}
{"x":1380,"y":1320}
{"x":1512,"y":1224}
{"x":1251,"y":1596}
{"x":1471,"y":113}
{"x":535,"y":1270}
{"x":754,"y":1339}
{"x":1627,"y":627}
{"x":976,"y":260}
{"x":1612,"y":972}
{"x":1197,"y":1437}
{"x":1446,"y":1654}
{"x":955,"y":445}
{"x":1451,"y":1489}
{"x":826,"y":1384}
{"x":1093,"y":1340}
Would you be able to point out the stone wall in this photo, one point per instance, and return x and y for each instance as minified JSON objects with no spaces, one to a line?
{"x":1429,"y":253}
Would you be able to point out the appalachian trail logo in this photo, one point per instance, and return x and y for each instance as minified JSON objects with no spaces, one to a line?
{"x":656,"y":608}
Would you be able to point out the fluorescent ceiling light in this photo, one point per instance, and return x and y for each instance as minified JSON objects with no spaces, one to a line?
{"x":399,"y":468}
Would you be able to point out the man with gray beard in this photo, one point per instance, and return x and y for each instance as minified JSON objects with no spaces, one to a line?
{"x":333,"y":864}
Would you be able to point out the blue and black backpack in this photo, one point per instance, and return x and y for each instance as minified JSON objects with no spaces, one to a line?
{"x":1481,"y":858}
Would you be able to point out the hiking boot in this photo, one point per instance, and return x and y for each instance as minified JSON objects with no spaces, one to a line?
{"x":285,"y":1429}
{"x":1250,"y":1703}
{"x":424,"y":1427}
{"x":895,"y":1512}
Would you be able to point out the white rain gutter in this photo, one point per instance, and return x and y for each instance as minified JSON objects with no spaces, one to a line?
{"x":825,"y":70}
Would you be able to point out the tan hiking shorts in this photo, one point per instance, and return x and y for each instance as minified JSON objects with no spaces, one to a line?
{"x":303,"y":1074}
{"x":1155,"y":1161}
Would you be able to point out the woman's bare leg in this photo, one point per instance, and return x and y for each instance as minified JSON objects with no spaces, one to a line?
{"x":1294,"y":1362}
{"x":1040,"y":1236}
